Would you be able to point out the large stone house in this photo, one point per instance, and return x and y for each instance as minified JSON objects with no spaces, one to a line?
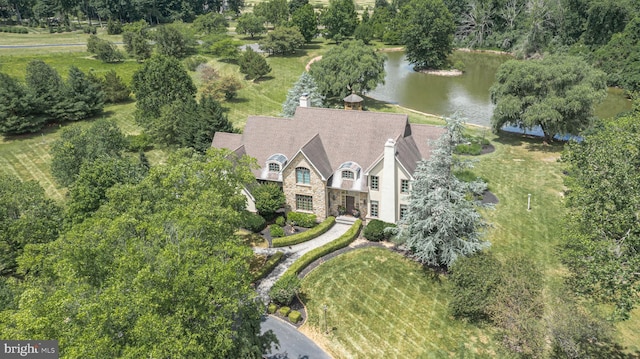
{"x":330,"y":161}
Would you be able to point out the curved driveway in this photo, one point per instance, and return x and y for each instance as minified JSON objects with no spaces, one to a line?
{"x":293,"y":344}
{"x":293,"y":253}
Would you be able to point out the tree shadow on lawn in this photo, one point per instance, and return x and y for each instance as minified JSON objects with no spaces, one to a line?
{"x":531,"y":143}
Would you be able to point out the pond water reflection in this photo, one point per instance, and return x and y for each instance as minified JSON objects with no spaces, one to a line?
{"x":467,"y":94}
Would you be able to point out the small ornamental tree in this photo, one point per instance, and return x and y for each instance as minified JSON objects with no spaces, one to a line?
{"x":305,"y":85}
{"x":104,"y":50}
{"x":251,"y":25}
{"x":269,"y":199}
{"x":136,"y":45}
{"x":442,"y":222}
{"x":115,"y":90}
{"x":253,"y":64}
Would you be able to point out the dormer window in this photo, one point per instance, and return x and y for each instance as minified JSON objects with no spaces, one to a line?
{"x":347,"y":174}
{"x":274,"y":167}
{"x":276,"y":162}
{"x":349,"y":170}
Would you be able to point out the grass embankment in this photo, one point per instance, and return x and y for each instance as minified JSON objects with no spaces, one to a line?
{"x":381,"y":305}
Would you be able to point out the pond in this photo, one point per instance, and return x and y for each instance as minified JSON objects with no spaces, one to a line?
{"x":467,"y":94}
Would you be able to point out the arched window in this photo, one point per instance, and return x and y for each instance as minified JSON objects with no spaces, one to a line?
{"x":346,"y":174}
{"x":276,"y":162}
{"x":274,"y":167}
{"x":303,"y":175}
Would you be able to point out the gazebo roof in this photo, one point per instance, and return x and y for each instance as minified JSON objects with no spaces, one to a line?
{"x":353,"y":98}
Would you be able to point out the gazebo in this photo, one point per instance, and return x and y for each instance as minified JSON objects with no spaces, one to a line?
{"x":353,"y":102}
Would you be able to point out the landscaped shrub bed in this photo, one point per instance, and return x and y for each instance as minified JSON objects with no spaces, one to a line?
{"x":341,"y":242}
{"x":272,"y":308}
{"x":284,"y":311}
{"x":306,"y":220}
{"x":473,"y":147}
{"x":305,"y":236}
{"x":268,"y":266}
{"x":374,"y":231}
{"x":276,"y":231}
{"x":253,"y":222}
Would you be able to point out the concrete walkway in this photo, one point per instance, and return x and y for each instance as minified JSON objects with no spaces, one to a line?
{"x":292,"y":254}
{"x":293,"y":344}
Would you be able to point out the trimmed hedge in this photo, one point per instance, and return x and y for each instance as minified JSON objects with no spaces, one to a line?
{"x":295,"y":316}
{"x":306,"y":235}
{"x":272,"y":308}
{"x":268,"y":266}
{"x":284,"y":311}
{"x":306,"y":220}
{"x":341,"y":242}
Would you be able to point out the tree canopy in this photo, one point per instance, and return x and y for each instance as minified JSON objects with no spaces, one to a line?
{"x":557,"y":93}
{"x":339,"y":20}
{"x":602,"y":237}
{"x":253,"y":65}
{"x":442,"y":222}
{"x":306,"y":20}
{"x":157,"y":271}
{"x":282,"y":41}
{"x":427,"y":29}
{"x":349,"y":67}
{"x":250,"y":24}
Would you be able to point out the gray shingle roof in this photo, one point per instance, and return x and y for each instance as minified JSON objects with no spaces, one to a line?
{"x":330,"y":137}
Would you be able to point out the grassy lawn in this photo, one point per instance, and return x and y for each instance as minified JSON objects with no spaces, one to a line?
{"x":381,"y":305}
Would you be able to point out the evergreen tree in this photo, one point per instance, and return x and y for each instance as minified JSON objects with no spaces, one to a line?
{"x":442,"y":223}
{"x":253,"y":64}
{"x":82,"y":98}
{"x":45,"y":84}
{"x":305,"y":85}
{"x":162,"y":80}
{"x":136,"y":45}
{"x":16,"y":108}
{"x":115,"y":90}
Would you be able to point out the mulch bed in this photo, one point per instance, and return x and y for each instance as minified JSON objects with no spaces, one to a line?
{"x":295,"y":305}
{"x":487,"y":149}
{"x":489,"y":197}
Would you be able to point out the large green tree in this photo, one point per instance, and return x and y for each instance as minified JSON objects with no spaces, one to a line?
{"x":161,"y":81}
{"x":16,"y":108}
{"x":306,"y":20}
{"x":339,"y":20}
{"x":77,"y":146}
{"x":602,"y":237}
{"x":156,"y":272}
{"x":442,"y":222}
{"x":45,"y":84}
{"x":349,"y":67}
{"x":26,"y":217}
{"x":174,"y":40}
{"x":620,"y":57}
{"x":81,"y":97}
{"x":275,"y":12}
{"x":427,"y":29}
{"x":282,"y":41}
{"x":557,"y":93}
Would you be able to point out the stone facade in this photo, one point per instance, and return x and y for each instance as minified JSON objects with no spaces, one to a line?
{"x":316,"y":187}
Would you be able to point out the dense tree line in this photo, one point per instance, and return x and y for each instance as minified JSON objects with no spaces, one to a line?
{"x":46,"y":98}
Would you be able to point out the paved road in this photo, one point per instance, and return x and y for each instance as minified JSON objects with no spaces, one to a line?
{"x":293,"y":344}
{"x":293,"y":253}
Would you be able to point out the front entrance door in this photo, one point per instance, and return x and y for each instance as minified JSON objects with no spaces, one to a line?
{"x":350,"y":204}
